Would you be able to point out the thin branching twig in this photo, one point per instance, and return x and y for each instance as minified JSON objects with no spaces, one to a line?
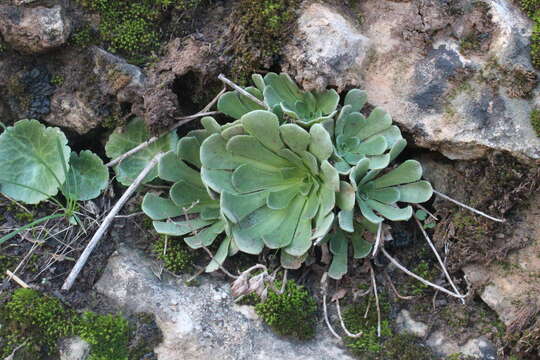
{"x":374,"y":282}
{"x":422,"y":280}
{"x":324,"y":286}
{"x":242,"y":91}
{"x":349,"y":334}
{"x":377,"y":240}
{"x":467,"y":207}
{"x":107,"y":222}
{"x":393,"y":287}
{"x":448,"y":277}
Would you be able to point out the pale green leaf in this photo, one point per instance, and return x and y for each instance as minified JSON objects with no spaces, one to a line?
{"x":30,"y":159}
{"x":87,"y":176}
{"x":134,"y":134}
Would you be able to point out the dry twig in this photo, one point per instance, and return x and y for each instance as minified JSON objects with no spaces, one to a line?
{"x":107,"y":222}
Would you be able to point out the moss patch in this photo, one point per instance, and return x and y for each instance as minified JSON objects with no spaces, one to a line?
{"x":260,"y":30}
{"x":292,"y":313}
{"x":531,"y":8}
{"x":535,"y":121}
{"x":39,"y":322}
{"x":174,"y":253}
{"x":34,"y":320}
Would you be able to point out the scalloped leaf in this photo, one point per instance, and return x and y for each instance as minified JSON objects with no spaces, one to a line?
{"x":87,"y":176}
{"x":33,"y":161}
{"x":124,"y":140}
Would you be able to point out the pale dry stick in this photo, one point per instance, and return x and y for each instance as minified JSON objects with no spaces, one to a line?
{"x":349,"y":334}
{"x":17,"y":279}
{"x":220,"y":266}
{"x":324,"y":285}
{"x":422,"y":280}
{"x":368,"y":303}
{"x":184,"y":119}
{"x":427,"y":211}
{"x":393,"y":287}
{"x":467,"y":207}
{"x":153,"y":139}
{"x":325,"y":310}
{"x":374,"y":282}
{"x":446,"y":274}
{"x":242,"y":91}
{"x":377,"y":241}
{"x":107,"y":222}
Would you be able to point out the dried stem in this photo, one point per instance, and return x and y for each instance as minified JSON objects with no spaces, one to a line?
{"x":448,"y":277}
{"x":153,"y":139}
{"x":324,"y":285}
{"x":377,"y":240}
{"x":374,"y":282}
{"x":427,"y":211}
{"x":467,"y":207}
{"x":17,"y":279}
{"x":349,"y":334}
{"x":107,"y":222}
{"x":242,"y":91}
{"x":217,"y":262}
{"x":327,"y":320}
{"x":422,"y":280}
{"x":393,"y":287}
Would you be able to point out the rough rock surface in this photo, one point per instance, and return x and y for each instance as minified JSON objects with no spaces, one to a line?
{"x":326,"y":50}
{"x":456,"y":75}
{"x":34,"y":30}
{"x":183,"y":73}
{"x":74,"y":348}
{"x":81,"y":106}
{"x":511,"y":288}
{"x":201,"y":322}
{"x":441,"y":343}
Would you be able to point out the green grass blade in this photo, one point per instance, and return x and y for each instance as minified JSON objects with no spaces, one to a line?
{"x":28,"y":226}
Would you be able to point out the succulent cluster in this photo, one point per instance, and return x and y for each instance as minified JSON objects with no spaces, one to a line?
{"x":300,"y":170}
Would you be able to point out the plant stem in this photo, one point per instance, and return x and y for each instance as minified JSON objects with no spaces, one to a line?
{"x":438,"y":257}
{"x":242,"y":91}
{"x":422,"y":280}
{"x":30,"y":225}
{"x":107,"y":222}
{"x":467,"y":207}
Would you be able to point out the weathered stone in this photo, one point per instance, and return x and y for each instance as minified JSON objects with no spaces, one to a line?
{"x":406,"y":324}
{"x":479,"y":348}
{"x":74,"y":348}
{"x":201,"y":322}
{"x":326,"y":50}
{"x":34,"y":30}
{"x":93,"y":90}
{"x":453,"y":99}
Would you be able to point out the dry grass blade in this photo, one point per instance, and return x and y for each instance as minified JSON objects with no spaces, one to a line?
{"x":467,"y":207}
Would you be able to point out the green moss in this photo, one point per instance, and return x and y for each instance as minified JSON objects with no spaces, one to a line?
{"x":369,"y":345}
{"x":262,"y":28}
{"x":292,"y":313}
{"x":7,"y":262}
{"x":33,"y":319}
{"x":83,"y":37}
{"x":531,"y":8}
{"x":406,"y":347}
{"x":175,"y":254}
{"x":415,"y":287}
{"x":535,"y":121}
{"x":107,"y":334}
{"x":39,"y":322}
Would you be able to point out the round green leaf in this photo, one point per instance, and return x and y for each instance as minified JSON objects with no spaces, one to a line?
{"x":87,"y":176}
{"x":33,"y":161}
{"x":134,"y":134}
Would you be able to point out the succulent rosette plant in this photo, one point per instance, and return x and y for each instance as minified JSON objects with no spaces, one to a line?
{"x":189,"y":210}
{"x":356,"y":137}
{"x":277,"y":188}
{"x":283,"y":97}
